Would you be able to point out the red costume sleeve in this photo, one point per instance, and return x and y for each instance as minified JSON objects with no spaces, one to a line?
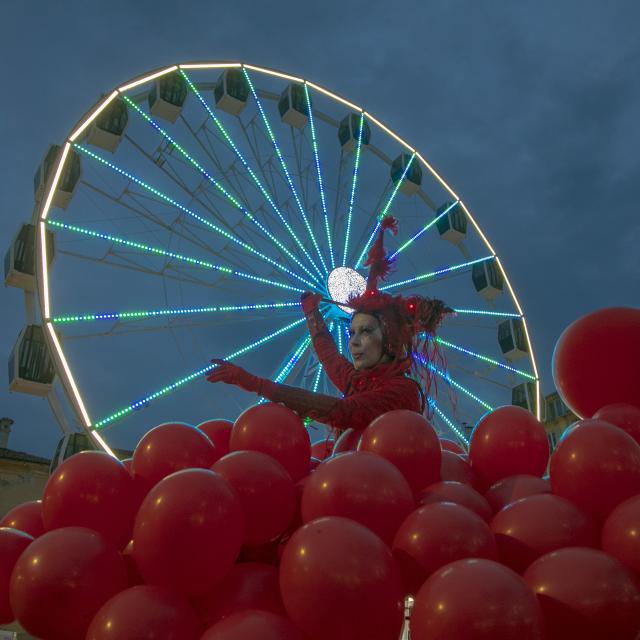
{"x":336,"y":366}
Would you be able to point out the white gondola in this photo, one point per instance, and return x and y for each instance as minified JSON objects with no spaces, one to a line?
{"x":68,"y":179}
{"x":453,"y":225}
{"x":349,"y":131}
{"x":232,"y":91}
{"x":412,"y":175}
{"x":107,"y":130}
{"x":167,"y":96}
{"x":512,"y":339}
{"x":30,"y":366}
{"x":19,"y":261}
{"x":293,"y":106}
{"x":487,"y":279}
{"x":524,"y":395}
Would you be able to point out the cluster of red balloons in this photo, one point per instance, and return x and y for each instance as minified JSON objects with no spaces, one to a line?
{"x":228,"y":531}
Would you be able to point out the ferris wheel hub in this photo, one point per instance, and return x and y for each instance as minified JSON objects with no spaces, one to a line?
{"x":344,"y":282}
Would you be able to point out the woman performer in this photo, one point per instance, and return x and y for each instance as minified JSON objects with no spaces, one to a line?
{"x":390,"y":338}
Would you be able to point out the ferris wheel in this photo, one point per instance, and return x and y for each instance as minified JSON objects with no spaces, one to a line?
{"x":187,"y":211}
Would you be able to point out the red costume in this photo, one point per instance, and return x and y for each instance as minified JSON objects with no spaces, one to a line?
{"x":407,"y":326}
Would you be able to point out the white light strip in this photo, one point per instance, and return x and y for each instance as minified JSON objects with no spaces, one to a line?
{"x":45,"y":268}
{"x":518,"y":307}
{"x":98,"y":438}
{"x":67,"y":371}
{"x":92,"y":116}
{"x":355,"y":107}
{"x":271,"y":72}
{"x":54,"y":182}
{"x":387,"y":130}
{"x":210,"y":65}
{"x":436,"y":175}
{"x":147,"y":78}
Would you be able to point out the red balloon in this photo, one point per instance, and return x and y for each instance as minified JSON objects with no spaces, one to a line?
{"x":347,"y":441}
{"x":586,"y":594}
{"x":277,"y":431}
{"x":462,"y":494}
{"x":455,"y":468}
{"x":12,"y":544}
{"x":133,"y":573}
{"x":476,"y":599}
{"x":539,"y":524}
{"x":620,"y":534}
{"x":624,"y":416}
{"x":145,"y":612}
{"x":267,"y":493}
{"x":62,"y":579}
{"x":338,"y":580}
{"x":219,"y":432}
{"x":361,"y":486}
{"x":249,"y":585}
{"x":450,"y":445}
{"x":437,"y":534}
{"x":91,"y":489}
{"x":171,"y":447}
{"x":322,"y":449}
{"x":250,"y":625}
{"x":611,"y":334}
{"x":514,"y":488}
{"x":596,"y":466}
{"x":508,"y":441}
{"x":25,"y":517}
{"x":188,"y":531}
{"x":408,"y":440}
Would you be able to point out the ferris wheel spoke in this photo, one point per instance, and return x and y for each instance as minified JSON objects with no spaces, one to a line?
{"x":169,"y":254}
{"x":454,"y":383}
{"x":424,"y":229}
{"x":446,"y":420}
{"x":253,"y":175}
{"x":476,"y":374}
{"x":283,"y":164}
{"x":192,"y":214}
{"x":230,"y":198}
{"x":386,"y":208}
{"x":483,"y":312}
{"x":352,"y":194}
{"x":433,"y":274}
{"x":319,"y":173}
{"x":193,"y":376}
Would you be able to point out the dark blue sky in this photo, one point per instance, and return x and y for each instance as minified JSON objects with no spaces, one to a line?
{"x":529,"y":110}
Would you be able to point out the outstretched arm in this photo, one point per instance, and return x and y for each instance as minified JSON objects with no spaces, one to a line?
{"x":337,"y":367}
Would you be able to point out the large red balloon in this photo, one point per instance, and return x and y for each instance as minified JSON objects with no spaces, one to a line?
{"x":476,"y":599}
{"x":585,"y":594}
{"x":407,"y":440}
{"x":450,"y":445}
{"x":437,"y":534}
{"x":508,"y":441}
{"x":529,"y":528}
{"x":267,"y":493}
{"x":453,"y":467}
{"x":250,"y":625}
{"x":277,"y":431}
{"x":361,"y":486}
{"x":347,"y":441}
{"x":12,"y":544}
{"x":188,"y":531}
{"x":171,"y":447}
{"x":621,"y":533}
{"x":596,"y":360}
{"x":145,"y":612}
{"x":338,"y":580}
{"x":62,"y":579}
{"x":624,"y":416}
{"x":459,"y":493}
{"x":25,"y":517}
{"x":249,"y":585}
{"x":91,"y":489}
{"x":596,"y":466}
{"x":514,"y":488}
{"x":219,"y":432}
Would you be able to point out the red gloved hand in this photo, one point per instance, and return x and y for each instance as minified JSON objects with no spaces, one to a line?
{"x":310,"y":302}
{"x":232,"y":374}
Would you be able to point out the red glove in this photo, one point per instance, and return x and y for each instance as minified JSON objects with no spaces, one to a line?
{"x":232,"y":374}
{"x":310,"y":302}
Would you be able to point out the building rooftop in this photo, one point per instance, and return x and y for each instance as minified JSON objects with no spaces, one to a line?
{"x":21,"y":456}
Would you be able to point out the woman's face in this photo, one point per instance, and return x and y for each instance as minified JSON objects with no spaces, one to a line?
{"x":365,"y":341}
